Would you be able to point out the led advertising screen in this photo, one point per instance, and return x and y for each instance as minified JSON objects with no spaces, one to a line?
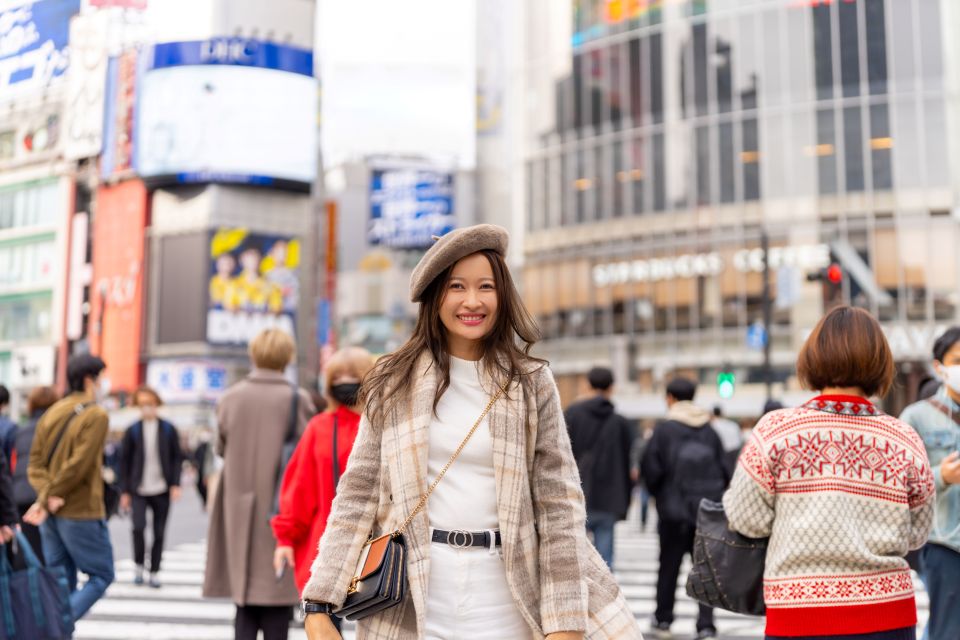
{"x":409,"y":206}
{"x":227,"y":110}
{"x":254,"y":285}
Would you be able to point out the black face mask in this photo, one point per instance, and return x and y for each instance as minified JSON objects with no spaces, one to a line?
{"x":346,"y":394}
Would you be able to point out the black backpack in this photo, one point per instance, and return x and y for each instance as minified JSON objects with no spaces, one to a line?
{"x":697,"y":474}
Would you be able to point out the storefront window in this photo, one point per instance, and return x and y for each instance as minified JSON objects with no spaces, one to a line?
{"x":28,"y":205}
{"x":25,"y":317}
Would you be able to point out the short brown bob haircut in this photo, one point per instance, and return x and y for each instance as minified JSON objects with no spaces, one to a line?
{"x":847,"y":349}
{"x":148,"y":391}
{"x":41,"y":399}
{"x":272,"y":349}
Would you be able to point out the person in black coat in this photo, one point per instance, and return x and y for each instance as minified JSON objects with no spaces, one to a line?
{"x":39,"y":400}
{"x":150,"y":466}
{"x":8,"y":509}
{"x":601,"y":442}
{"x":682,"y":464}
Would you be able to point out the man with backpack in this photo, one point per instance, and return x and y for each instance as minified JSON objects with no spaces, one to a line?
{"x":937,"y":420}
{"x":601,"y":442}
{"x":683,"y":463}
{"x":66,"y":462}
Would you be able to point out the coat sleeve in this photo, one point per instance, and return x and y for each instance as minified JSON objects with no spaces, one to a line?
{"x":653,"y":465}
{"x":560,"y":515}
{"x":921,"y":494}
{"x":750,"y":502}
{"x":176,"y":453}
{"x":8,"y":510}
{"x":126,"y":460}
{"x":299,"y":491}
{"x":350,"y":522}
{"x":37,"y":473}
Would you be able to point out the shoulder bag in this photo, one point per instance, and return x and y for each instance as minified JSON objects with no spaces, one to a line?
{"x":290,"y":441}
{"x":380,"y":580}
{"x":727,"y":571}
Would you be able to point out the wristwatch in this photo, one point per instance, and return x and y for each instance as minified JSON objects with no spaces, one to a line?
{"x":308,"y":606}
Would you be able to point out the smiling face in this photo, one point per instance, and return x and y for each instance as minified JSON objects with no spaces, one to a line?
{"x":468,"y":310}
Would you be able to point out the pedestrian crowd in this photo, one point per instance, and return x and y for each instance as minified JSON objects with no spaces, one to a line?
{"x":406,"y":495}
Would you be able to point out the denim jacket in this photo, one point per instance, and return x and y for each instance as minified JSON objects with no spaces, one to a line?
{"x":941,"y":436}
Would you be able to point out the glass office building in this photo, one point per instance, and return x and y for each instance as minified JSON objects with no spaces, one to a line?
{"x":663,"y":140}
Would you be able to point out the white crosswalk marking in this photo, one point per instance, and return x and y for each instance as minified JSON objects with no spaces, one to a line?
{"x":177,"y":611}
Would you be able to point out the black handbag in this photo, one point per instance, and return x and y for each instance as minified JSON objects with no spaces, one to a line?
{"x":727,"y":571}
{"x":380,"y":580}
{"x":290,"y":441}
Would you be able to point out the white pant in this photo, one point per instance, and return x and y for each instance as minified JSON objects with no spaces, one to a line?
{"x":468,"y":596}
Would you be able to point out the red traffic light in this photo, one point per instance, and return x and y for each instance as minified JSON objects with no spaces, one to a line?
{"x":835,"y":273}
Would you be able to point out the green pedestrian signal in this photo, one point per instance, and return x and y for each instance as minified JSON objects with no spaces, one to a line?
{"x":726,"y":380}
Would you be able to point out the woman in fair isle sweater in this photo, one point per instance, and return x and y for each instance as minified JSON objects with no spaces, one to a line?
{"x":843,"y":490}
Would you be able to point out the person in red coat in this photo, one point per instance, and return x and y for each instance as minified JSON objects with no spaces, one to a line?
{"x":309,"y":483}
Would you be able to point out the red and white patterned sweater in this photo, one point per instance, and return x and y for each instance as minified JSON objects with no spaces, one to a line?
{"x":843,"y":491}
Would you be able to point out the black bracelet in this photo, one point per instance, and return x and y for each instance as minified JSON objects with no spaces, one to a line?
{"x":307,"y":607}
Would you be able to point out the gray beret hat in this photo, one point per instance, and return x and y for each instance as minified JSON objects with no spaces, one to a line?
{"x":450,"y":248}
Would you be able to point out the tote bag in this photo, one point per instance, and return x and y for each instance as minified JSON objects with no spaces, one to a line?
{"x":34,"y":602}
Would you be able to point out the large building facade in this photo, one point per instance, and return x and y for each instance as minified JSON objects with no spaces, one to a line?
{"x":664,"y":140}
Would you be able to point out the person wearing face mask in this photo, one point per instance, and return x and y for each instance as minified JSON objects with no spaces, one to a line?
{"x":937,"y":420}
{"x":65,"y":470}
{"x":309,"y":483}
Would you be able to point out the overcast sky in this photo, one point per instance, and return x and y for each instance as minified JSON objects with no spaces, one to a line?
{"x":398,"y":77}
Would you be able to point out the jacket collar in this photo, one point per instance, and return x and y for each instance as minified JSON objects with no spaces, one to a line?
{"x":267,"y":375}
{"x":843,"y":405}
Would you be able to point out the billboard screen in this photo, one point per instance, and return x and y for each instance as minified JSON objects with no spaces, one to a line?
{"x":254,"y":284}
{"x":228,"y":110}
{"x":33,"y":43}
{"x":117,"y":288}
{"x":409,"y":206}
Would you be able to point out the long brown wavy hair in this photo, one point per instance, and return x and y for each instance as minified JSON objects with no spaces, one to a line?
{"x":506,"y":349}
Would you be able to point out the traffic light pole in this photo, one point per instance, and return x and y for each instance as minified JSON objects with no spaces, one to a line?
{"x":767,"y":314}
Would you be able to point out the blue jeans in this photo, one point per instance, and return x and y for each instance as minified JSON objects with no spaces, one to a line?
{"x":80,"y":545}
{"x":600,"y":524}
{"x":941,"y":568}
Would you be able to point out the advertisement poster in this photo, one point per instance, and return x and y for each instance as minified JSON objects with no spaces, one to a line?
{"x":254,"y":284}
{"x":33,"y":43}
{"x":410,"y":206}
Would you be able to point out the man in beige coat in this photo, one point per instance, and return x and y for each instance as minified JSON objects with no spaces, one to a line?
{"x":252,"y":419}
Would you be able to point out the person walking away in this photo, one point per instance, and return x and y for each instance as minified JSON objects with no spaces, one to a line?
{"x":841,"y":489}
{"x":731,"y":437}
{"x":636,"y":455}
{"x":8,"y":507}
{"x":38,"y":401}
{"x":65,"y":470}
{"x":310,"y":482}
{"x":8,"y":428}
{"x":150,"y":465}
{"x":683,"y":464}
{"x":499,"y":548}
{"x":937,"y":420}
{"x":601,"y":441}
{"x":252,"y":418}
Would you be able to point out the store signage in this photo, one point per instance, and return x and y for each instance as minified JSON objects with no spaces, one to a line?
{"x":33,"y":43}
{"x":86,"y":83}
{"x":232,"y":51}
{"x":708,"y":264}
{"x":187,"y":380}
{"x":410,"y":206}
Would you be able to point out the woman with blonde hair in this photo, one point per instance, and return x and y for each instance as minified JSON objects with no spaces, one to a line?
{"x":463,"y":451}
{"x":310,"y":482}
{"x":253,"y":418}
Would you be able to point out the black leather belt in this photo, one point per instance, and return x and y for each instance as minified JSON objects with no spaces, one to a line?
{"x":462,"y":539}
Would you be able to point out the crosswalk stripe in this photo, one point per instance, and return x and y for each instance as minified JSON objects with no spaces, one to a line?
{"x":177,"y":610}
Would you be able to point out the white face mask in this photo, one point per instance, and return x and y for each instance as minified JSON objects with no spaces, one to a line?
{"x":951,"y":376}
{"x":103,"y":389}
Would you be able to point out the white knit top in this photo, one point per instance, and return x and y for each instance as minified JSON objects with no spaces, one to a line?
{"x":466,"y":498}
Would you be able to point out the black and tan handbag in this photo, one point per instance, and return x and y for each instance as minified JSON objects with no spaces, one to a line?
{"x":380,"y":581}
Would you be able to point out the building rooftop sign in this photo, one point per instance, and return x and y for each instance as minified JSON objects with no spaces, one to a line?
{"x":33,"y":44}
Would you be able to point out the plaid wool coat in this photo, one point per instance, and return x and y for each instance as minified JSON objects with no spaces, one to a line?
{"x":556,"y":576}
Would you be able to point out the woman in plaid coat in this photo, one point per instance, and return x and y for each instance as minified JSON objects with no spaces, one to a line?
{"x":533,"y":574}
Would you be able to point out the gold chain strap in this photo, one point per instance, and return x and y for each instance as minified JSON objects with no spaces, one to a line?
{"x":456,"y":454}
